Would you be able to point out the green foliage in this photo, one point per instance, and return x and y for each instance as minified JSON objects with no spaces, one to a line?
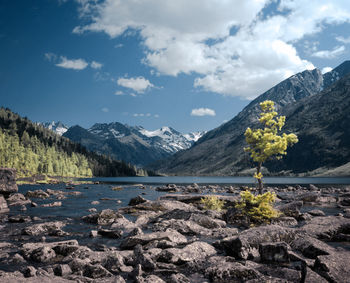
{"x":258,"y":209}
{"x":265,"y":143}
{"x":32,"y":150}
{"x":213,"y":203}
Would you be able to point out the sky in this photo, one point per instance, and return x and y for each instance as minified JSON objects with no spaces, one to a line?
{"x":188,"y":64}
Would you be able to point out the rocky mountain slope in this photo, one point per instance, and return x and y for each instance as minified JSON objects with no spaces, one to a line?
{"x":220,"y":151}
{"x":132,"y":144}
{"x":57,"y":127}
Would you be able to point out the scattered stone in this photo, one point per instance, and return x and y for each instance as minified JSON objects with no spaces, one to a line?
{"x":43,"y":254}
{"x":316,"y":212}
{"x":17,"y":199}
{"x":137,"y":200}
{"x":274,"y":252}
{"x":308,"y":196}
{"x":52,"y":204}
{"x":3,"y":205}
{"x":170,"y":235}
{"x":92,"y":209}
{"x":95,"y":202}
{"x":8,"y":181}
{"x":334,"y":267}
{"x":47,"y":228}
{"x":19,"y":219}
{"x":93,"y":233}
{"x":194,"y":251}
{"x":105,"y":217}
{"x":30,"y":271}
{"x":291,"y":209}
{"x":246,"y":244}
{"x":113,"y":234}
{"x":37,"y":194}
{"x":62,"y":270}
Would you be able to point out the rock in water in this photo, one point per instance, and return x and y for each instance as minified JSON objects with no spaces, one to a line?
{"x":8,"y":181}
{"x":3,"y":205}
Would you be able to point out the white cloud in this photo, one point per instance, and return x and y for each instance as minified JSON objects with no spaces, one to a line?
{"x":50,"y":56}
{"x":95,"y":65}
{"x":330,"y":54}
{"x":139,"y":84}
{"x":326,"y":70}
{"x":148,"y":115}
{"x":105,"y":109}
{"x":342,"y":39}
{"x":193,"y":37}
{"x":74,"y":64}
{"x":119,"y":45}
{"x":119,"y":92}
{"x":203,"y":112}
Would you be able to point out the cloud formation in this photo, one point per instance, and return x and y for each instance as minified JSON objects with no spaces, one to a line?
{"x":236,"y":48}
{"x":330,"y":54}
{"x":138,"y":84}
{"x":203,"y":112}
{"x":95,"y":65}
{"x":74,"y":64}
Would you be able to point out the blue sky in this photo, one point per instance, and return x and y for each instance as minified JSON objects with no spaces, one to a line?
{"x":186,"y":64}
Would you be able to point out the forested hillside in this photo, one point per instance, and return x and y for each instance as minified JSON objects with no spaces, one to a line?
{"x":32,"y":149}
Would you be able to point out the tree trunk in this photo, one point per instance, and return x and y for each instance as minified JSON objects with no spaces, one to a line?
{"x":260,"y":184}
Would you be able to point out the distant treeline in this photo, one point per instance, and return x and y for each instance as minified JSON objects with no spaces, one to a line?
{"x":32,"y":149}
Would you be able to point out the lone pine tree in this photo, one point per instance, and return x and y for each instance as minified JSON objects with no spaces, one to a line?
{"x":265,"y":143}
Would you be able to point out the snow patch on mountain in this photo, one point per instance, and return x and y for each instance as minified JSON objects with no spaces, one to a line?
{"x":57,"y":127}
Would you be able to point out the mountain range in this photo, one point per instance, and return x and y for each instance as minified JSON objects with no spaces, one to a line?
{"x":134,"y":145}
{"x":317,"y":109}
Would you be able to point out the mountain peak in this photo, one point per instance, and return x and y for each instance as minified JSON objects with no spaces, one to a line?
{"x":57,"y":127}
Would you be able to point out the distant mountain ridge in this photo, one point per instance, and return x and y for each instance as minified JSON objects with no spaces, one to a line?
{"x":132,"y":144}
{"x":220,"y":151}
{"x":57,"y":127}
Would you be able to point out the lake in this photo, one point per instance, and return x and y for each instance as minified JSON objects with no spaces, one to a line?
{"x":222,"y":180}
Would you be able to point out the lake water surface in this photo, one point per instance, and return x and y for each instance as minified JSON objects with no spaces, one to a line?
{"x":223,"y":180}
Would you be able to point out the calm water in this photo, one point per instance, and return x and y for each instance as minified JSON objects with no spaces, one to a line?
{"x":221,"y":180}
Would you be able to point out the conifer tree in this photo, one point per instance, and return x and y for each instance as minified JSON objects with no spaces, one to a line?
{"x":265,"y":143}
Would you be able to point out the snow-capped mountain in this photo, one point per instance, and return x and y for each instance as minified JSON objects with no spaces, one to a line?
{"x":133,"y":144}
{"x":57,"y":127}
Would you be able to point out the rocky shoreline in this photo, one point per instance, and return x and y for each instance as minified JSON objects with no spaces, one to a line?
{"x":174,"y":239}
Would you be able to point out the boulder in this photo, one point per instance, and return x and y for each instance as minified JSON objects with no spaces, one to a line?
{"x":3,"y":205}
{"x":326,"y":227}
{"x":246,"y":244}
{"x":150,"y":279}
{"x":62,"y":270}
{"x":37,"y":194}
{"x":194,"y":251}
{"x":19,"y":219}
{"x":316,"y":212}
{"x":105,"y":217}
{"x":291,"y":209}
{"x":52,"y":204}
{"x":47,"y":228}
{"x":8,"y":181}
{"x":43,"y":254}
{"x":113,"y":234}
{"x":226,"y":270}
{"x":137,"y":200}
{"x":274,"y":252}
{"x":17,"y":199}
{"x":312,"y":276}
{"x":169,"y":235}
{"x":334,"y":267}
{"x":310,"y":247}
{"x":308,"y":196}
